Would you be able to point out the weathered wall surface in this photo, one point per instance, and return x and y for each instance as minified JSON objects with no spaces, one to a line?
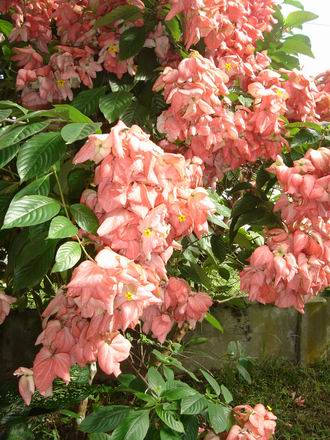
{"x":264,"y":331}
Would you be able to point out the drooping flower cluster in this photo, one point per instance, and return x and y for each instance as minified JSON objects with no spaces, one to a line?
{"x":294,"y":265}
{"x":82,"y":50}
{"x":145,"y":200}
{"x":201,"y":118}
{"x":252,"y":423}
{"x":5,"y":302}
{"x":323,"y":96}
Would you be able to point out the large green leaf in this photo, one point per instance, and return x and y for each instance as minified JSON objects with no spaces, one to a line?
{"x":297,"y":18}
{"x":226,"y":394}
{"x":131,"y":42}
{"x":219,"y":416}
{"x":191,"y":425}
{"x":33,"y":263}
{"x":170,"y":419}
{"x":298,"y":44}
{"x":7,"y":154}
{"x":30,"y":210}
{"x":39,"y":186}
{"x":5,"y":113}
{"x":61,"y":227}
{"x":194,"y":404}
{"x":134,"y":427}
{"x":84,"y":217}
{"x":115,"y":104}
{"x":78,"y":130}
{"x":87,"y":101}
{"x":38,"y":154}
{"x":155,"y":380}
{"x":74,"y":114}
{"x":124,"y":12}
{"x":219,"y":248}
{"x":18,"y":134}
{"x":67,"y":255}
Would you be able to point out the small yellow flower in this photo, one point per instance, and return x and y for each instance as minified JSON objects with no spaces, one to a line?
{"x":228,"y":67}
{"x":279,"y":93}
{"x":60,"y":82}
{"x":147,"y":232}
{"x":269,"y":408}
{"x":129,"y":296}
{"x":113,"y":48}
{"x":182,"y":218}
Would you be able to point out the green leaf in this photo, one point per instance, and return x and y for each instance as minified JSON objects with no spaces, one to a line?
{"x":166,"y":434}
{"x":194,"y":404}
{"x":191,"y":425}
{"x":298,"y":44}
{"x":131,"y":42}
{"x":61,"y":227}
{"x":124,"y":12}
{"x":77,"y":130}
{"x":224,"y":273}
{"x":115,"y":104}
{"x":85,"y":218}
{"x":168,"y":373}
{"x":12,"y":104}
{"x":99,"y":436}
{"x":135,"y":113}
{"x":219,"y":416}
{"x":37,"y":187}
{"x":244,"y":373}
{"x":134,"y":427}
{"x":18,"y":134}
{"x":8,"y":154}
{"x":155,"y":380}
{"x":214,"y":322}
{"x":87,"y":101}
{"x":219,"y":248}
{"x":74,"y":114}
{"x":170,"y":420}
{"x":202,"y":275}
{"x":33,"y":263}
{"x":245,"y":204}
{"x":174,"y":28}
{"x":306,"y":124}
{"x":214,"y":384}
{"x":226,"y":394}
{"x":297,"y":18}
{"x":67,"y":255}
{"x":30,"y":210}
{"x":178,"y":393}
{"x":4,"y":114}
{"x":39,"y":153}
{"x":104,"y":419}
{"x":295,"y":3}
{"x":6,"y":27}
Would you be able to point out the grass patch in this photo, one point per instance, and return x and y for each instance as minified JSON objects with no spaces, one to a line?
{"x":281,"y":385}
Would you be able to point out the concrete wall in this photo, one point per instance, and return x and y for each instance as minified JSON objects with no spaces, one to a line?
{"x":263,"y":331}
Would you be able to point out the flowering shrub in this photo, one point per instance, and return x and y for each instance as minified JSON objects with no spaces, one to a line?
{"x":193,"y":146}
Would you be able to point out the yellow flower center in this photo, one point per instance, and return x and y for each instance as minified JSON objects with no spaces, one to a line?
{"x":279,"y":93}
{"x":129,"y":296}
{"x":228,"y":67}
{"x":182,"y":218}
{"x":60,"y":82}
{"x":113,"y":48}
{"x":147,"y":232}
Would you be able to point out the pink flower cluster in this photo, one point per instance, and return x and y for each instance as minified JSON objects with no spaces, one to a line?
{"x":252,"y":423}
{"x":145,"y":200}
{"x":200,"y":117}
{"x":294,"y":265}
{"x":323,"y":96}
{"x":83,"y":50}
{"x":5,"y":302}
